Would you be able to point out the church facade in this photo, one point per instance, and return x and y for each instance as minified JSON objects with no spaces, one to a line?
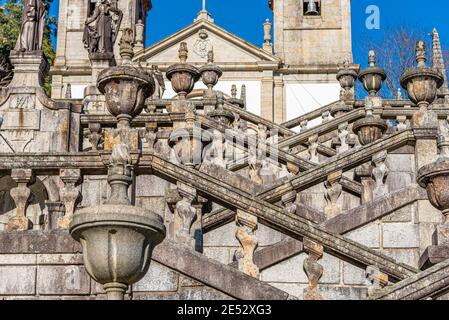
{"x":287,"y":76}
{"x":200,"y":168}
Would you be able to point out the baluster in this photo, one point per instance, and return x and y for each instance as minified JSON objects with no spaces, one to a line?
{"x":70,"y":195}
{"x":245,"y":234}
{"x":380,"y":173}
{"x":150,"y":135}
{"x":333,"y":192}
{"x":20,"y":195}
{"x":185,"y":214}
{"x":313,"y":146}
{"x":342,"y":137}
{"x":325,"y":117}
{"x":401,"y":123}
{"x":313,"y":269}
{"x":303,"y":125}
{"x":94,"y":135}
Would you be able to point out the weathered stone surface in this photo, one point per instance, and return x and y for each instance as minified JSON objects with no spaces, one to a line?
{"x":59,"y":259}
{"x":221,"y":254}
{"x":62,"y":280}
{"x":353,"y":275}
{"x":342,"y":293}
{"x":407,"y":256}
{"x":17,"y":280}
{"x":17,"y":259}
{"x":368,"y":235}
{"x":400,"y":235}
{"x":287,"y":271}
{"x":158,"y":278}
{"x":201,"y":293}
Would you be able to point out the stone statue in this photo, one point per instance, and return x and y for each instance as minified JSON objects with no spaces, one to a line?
{"x":32,"y":27}
{"x":159,"y":82}
{"x":101,"y":28}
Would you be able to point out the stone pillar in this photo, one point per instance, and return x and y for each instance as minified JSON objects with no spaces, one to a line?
{"x":267,"y":95}
{"x":313,"y":269}
{"x":139,"y":40}
{"x":70,"y":195}
{"x":20,"y":195}
{"x":245,"y":234}
{"x":279,"y":103}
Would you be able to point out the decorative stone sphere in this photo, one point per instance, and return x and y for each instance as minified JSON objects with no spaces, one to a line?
{"x":125,"y":89}
{"x":369,"y":129}
{"x":117,"y":243}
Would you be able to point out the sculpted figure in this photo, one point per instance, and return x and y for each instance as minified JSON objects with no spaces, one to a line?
{"x":101,"y":28}
{"x":32,"y":28}
{"x":159,"y":82}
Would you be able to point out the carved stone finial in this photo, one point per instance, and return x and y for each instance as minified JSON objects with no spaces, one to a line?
{"x":210,"y":56}
{"x":126,"y":45}
{"x":372,"y":58}
{"x":234,"y":91}
{"x":421,"y":53}
{"x":267,"y":31}
{"x":183,"y":52}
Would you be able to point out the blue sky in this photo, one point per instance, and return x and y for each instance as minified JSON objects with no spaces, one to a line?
{"x":245,"y":17}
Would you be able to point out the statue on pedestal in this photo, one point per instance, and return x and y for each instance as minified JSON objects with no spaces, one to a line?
{"x":32,"y":28}
{"x":101,"y":28}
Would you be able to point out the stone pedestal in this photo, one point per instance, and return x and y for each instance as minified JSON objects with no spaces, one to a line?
{"x":30,"y":68}
{"x":94,"y":102}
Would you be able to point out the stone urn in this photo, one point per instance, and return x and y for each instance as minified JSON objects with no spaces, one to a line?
{"x":434,"y":177}
{"x":210,"y":74}
{"x":422,"y":83}
{"x":373,"y":76}
{"x":347,"y":78}
{"x":125,"y":89}
{"x":118,"y":242}
{"x":183,"y":76}
{"x":369,"y":129}
{"x":118,"y":238}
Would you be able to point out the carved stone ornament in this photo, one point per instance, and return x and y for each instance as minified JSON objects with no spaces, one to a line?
{"x":202,"y":45}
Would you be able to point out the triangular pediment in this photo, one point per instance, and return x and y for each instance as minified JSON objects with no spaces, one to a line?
{"x":200,"y":37}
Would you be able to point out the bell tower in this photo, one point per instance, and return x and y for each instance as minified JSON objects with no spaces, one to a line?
{"x":312,"y":33}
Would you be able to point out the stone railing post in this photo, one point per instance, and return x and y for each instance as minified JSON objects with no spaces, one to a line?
{"x":94,"y":137}
{"x":245,"y":234}
{"x":313,"y":269}
{"x":333,"y":192}
{"x":364,"y":173}
{"x":70,"y":195}
{"x":20,"y":195}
